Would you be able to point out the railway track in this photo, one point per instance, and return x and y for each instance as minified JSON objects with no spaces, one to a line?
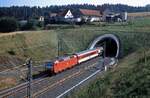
{"x":35,"y":95}
{"x":19,"y":88}
{"x":43,"y":85}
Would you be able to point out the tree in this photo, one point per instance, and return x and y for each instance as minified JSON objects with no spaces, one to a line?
{"x":8,"y":24}
{"x":28,"y":26}
{"x":26,"y":13}
{"x":31,"y":24}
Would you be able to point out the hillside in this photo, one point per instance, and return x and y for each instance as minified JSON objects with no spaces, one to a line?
{"x":16,"y":47}
{"x":130,"y":79}
{"x":45,"y":45}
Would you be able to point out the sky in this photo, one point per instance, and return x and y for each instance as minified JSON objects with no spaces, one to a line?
{"x":42,"y":3}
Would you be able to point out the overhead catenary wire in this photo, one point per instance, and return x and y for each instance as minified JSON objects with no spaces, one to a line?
{"x":40,"y":62}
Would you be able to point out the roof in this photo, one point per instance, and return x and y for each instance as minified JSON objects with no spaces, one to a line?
{"x":85,"y":51}
{"x":53,"y":14}
{"x":63,"y":13}
{"x":87,"y":12}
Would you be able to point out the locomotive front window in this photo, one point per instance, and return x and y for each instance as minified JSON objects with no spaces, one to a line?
{"x":49,"y":65}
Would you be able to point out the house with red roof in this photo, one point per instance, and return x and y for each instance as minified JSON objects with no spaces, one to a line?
{"x":90,"y":15}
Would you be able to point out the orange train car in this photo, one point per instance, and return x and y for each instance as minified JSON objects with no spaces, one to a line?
{"x":70,"y":61}
{"x":64,"y":63}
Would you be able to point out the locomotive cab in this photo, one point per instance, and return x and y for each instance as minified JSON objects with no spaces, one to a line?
{"x":49,"y":65}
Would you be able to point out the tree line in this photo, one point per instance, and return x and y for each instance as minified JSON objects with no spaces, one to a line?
{"x":10,"y":16}
{"x":26,"y":12}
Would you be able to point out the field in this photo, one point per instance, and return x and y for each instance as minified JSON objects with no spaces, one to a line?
{"x":16,"y":47}
{"x":139,"y":14}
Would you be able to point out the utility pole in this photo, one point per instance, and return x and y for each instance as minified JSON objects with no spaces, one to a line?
{"x":58,"y":47}
{"x":29,"y":65}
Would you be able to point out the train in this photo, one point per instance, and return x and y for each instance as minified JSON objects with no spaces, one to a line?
{"x":67,"y":62}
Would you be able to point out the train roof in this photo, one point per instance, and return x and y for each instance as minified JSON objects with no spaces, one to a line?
{"x":61,"y":58}
{"x":85,"y":51}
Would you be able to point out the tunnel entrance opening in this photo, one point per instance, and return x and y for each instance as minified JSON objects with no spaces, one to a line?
{"x":112,"y":44}
{"x":110,"y":47}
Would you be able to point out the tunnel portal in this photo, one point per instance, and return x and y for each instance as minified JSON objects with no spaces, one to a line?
{"x":110,"y":42}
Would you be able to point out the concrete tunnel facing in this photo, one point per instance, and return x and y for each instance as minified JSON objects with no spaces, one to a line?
{"x":111,"y":42}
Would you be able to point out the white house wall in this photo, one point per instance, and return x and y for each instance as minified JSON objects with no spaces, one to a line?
{"x":95,"y":19}
{"x":69,"y":15}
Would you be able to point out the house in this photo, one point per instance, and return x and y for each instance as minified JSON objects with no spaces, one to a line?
{"x":49,"y":18}
{"x":53,"y":14}
{"x":52,"y":18}
{"x":67,"y":14}
{"x":113,"y":18}
{"x":124,"y":16}
{"x":41,"y":18}
{"x":90,"y":15}
{"x":109,"y":16}
{"x":107,"y":13}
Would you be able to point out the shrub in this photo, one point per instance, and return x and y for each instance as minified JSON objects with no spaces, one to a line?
{"x":8,"y":24}
{"x":32,"y":24}
{"x":29,"y":25}
{"x":11,"y":52}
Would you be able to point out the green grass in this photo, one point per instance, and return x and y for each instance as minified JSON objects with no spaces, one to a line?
{"x":130,"y":79}
{"x":29,"y":44}
{"x":43,"y":45}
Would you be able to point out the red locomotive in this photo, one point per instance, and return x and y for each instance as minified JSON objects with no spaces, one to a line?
{"x":70,"y":61}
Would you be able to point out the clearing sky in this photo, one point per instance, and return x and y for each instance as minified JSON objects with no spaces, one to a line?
{"x":42,"y":3}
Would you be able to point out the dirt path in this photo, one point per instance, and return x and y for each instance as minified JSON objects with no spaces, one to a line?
{"x":19,"y":32}
{"x":12,"y":33}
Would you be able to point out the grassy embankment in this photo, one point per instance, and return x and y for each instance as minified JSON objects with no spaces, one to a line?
{"x":43,"y":45}
{"x":131,"y":78}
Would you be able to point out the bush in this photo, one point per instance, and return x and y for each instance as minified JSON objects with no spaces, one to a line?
{"x":8,"y":24}
{"x":31,"y":24}
{"x":11,"y":52}
{"x":28,"y":26}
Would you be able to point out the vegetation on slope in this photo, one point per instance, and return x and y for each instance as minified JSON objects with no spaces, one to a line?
{"x":16,"y":47}
{"x":130,"y":79}
{"x":45,"y":45}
